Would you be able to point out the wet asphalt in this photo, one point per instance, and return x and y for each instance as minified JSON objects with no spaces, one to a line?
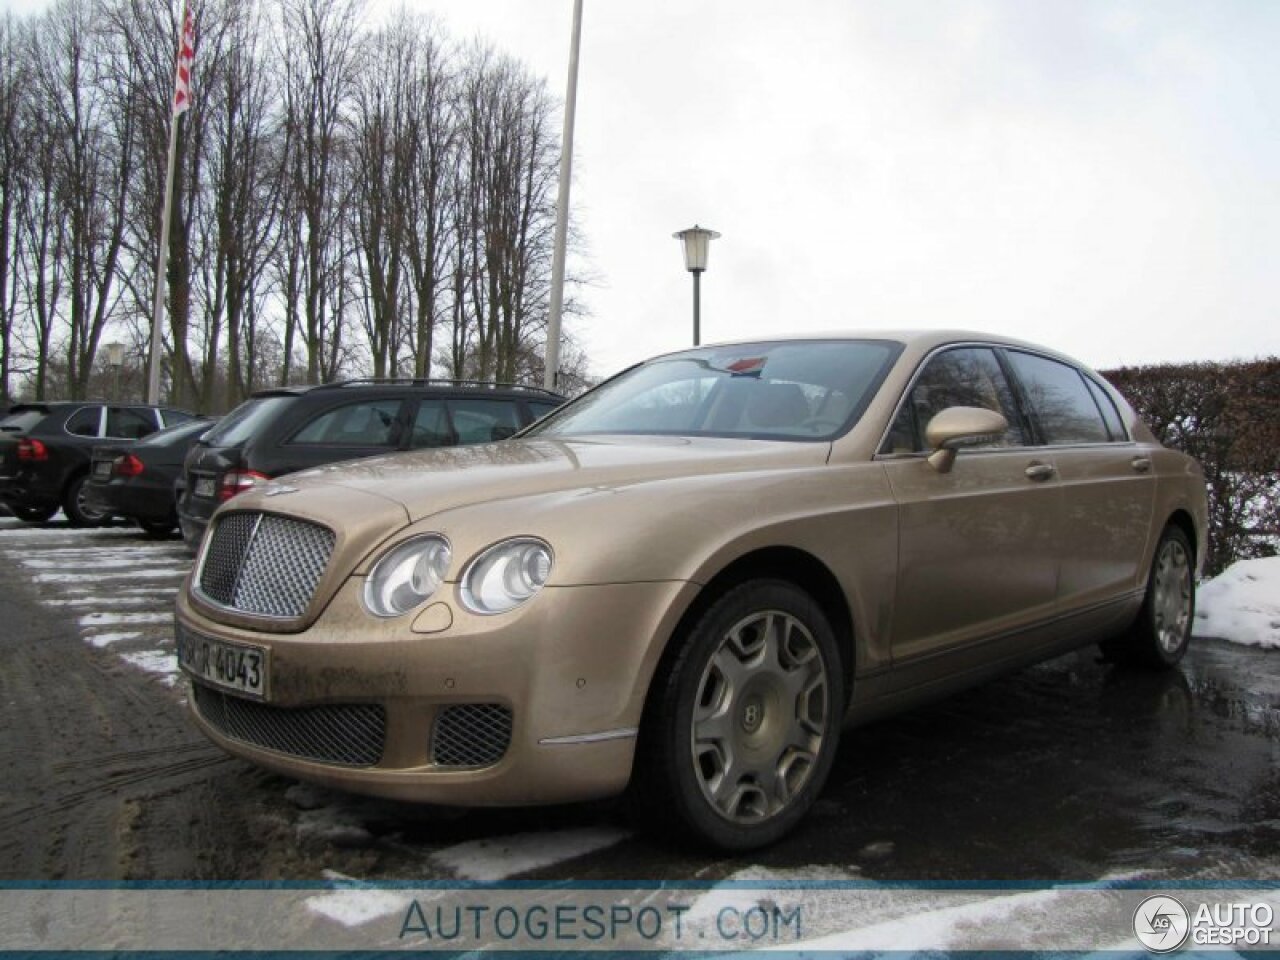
{"x":1073,"y":770}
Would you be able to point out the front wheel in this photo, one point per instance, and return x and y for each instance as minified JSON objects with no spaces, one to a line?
{"x":1160,"y":635}
{"x":743,"y":720}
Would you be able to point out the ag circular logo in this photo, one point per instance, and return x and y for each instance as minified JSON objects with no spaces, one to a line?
{"x":1161,"y":924}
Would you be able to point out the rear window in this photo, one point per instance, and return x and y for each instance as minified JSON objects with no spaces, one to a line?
{"x":247,"y":419}
{"x":23,"y":419}
{"x":175,"y":433}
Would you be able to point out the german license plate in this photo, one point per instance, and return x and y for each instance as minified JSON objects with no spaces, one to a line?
{"x":204,"y":487}
{"x":102,"y":469}
{"x":231,"y":666}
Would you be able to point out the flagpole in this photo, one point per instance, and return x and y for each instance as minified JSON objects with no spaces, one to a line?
{"x":162,"y":263}
{"x":178,"y":105}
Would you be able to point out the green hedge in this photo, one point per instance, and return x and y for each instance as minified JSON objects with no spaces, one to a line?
{"x":1227,"y":416}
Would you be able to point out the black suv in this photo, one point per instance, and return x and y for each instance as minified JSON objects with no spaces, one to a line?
{"x":45,"y":452}
{"x":282,"y":430}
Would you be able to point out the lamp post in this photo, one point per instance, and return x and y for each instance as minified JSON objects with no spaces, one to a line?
{"x":551,"y":375}
{"x":115,"y":360}
{"x":697,"y":242}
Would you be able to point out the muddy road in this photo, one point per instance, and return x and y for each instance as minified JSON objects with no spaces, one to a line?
{"x":1073,"y":770}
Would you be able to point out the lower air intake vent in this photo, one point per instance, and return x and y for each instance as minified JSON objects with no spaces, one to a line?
{"x":471,"y":735}
{"x":344,"y":734}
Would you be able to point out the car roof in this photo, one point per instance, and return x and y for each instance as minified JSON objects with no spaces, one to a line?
{"x":919,"y":340}
{"x":425,"y":386}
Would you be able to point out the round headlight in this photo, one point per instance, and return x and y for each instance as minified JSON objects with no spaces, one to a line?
{"x":506,"y":575}
{"x":407,"y":575}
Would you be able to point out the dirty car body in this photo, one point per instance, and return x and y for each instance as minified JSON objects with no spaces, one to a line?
{"x":691,"y":578}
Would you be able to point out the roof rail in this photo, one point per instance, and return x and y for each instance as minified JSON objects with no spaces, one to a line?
{"x":438,"y":382}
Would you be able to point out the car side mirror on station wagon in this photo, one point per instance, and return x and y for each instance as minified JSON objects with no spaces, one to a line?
{"x":957,"y":427}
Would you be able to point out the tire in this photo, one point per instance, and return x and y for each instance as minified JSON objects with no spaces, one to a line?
{"x":33,"y":514}
{"x":77,"y":511}
{"x":1162,"y":631}
{"x":158,"y":529}
{"x":742,"y":721}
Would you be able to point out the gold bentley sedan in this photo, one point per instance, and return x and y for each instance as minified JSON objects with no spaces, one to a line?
{"x":686,"y":583}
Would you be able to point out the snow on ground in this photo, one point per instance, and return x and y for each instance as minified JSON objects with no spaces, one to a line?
{"x":120,"y":586}
{"x":1242,"y":604}
{"x":355,"y":907}
{"x":496,"y":858}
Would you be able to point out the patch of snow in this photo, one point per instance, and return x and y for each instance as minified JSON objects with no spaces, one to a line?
{"x":131,"y":574}
{"x":164,"y":665}
{"x":334,"y":825}
{"x":101,"y":640}
{"x":356,"y":907}
{"x":107,"y":619}
{"x":497,"y":858}
{"x":82,"y":601}
{"x":108,"y":561}
{"x":708,"y":906}
{"x":938,"y":928}
{"x":1242,"y":604}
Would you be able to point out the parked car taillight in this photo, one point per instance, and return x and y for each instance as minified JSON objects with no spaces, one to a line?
{"x":127,"y":466}
{"x":238,"y":481}
{"x":32,"y":450}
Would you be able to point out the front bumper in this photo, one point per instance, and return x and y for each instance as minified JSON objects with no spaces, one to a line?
{"x":572,"y":667}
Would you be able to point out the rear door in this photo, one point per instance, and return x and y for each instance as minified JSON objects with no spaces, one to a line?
{"x":1108,"y":487}
{"x":349,"y":429}
{"x":978,"y":556}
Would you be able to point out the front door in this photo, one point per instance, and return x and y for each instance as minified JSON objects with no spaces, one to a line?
{"x":977,"y":544}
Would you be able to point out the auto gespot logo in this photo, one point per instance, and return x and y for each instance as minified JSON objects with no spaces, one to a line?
{"x":1162,"y":924}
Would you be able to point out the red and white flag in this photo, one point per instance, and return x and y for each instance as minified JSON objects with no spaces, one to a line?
{"x":186,"y":56}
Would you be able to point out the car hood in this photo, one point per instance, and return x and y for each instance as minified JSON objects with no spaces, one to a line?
{"x":434,"y":481}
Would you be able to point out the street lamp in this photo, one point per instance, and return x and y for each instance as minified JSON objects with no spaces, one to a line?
{"x":115,"y":360}
{"x":697,"y":242}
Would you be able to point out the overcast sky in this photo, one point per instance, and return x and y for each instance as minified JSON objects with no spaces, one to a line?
{"x":1100,"y":177}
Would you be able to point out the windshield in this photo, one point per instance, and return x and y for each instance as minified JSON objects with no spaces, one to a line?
{"x":801,"y":390}
{"x":245,"y":420}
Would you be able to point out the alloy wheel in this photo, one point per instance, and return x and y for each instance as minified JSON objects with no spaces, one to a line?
{"x":760,"y":717}
{"x":1171,"y":604}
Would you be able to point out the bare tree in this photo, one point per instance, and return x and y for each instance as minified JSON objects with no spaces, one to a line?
{"x":320,"y":46}
{"x":431,"y":129}
{"x":507,"y":213}
{"x":12,"y":168}
{"x":94,"y":154}
{"x":244,"y":187}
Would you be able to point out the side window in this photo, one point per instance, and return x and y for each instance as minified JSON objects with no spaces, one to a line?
{"x":1059,"y":400}
{"x":540,"y":409}
{"x":483,"y":421}
{"x":172,"y":416}
{"x":430,"y":426}
{"x":964,"y":377}
{"x":369,"y":423}
{"x":129,"y":424}
{"x":1115,"y":426}
{"x":84,"y":422}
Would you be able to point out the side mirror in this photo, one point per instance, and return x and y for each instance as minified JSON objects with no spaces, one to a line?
{"x":957,"y":427}
{"x":501,"y":431}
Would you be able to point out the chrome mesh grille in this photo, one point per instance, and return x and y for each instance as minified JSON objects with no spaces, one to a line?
{"x":343,"y":734}
{"x":471,"y":735}
{"x":265,"y":564}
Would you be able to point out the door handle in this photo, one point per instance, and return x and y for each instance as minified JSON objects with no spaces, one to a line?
{"x":1141,"y":464}
{"x":1040,"y":471}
